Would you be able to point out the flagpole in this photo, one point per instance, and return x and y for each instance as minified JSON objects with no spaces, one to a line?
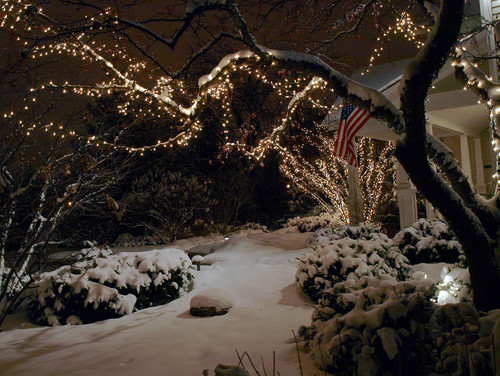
{"x":354,"y":201}
{"x":351,"y":121}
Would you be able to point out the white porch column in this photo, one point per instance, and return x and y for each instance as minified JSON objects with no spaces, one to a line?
{"x":407,"y":198}
{"x":430,"y":212}
{"x":465,"y":156}
{"x":480,"y":183}
{"x":487,"y":17}
{"x":354,"y":201}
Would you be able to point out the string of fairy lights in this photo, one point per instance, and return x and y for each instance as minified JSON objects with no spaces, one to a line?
{"x":158,"y":99}
{"x":377,"y":165}
{"x":404,"y":26}
{"x":325,"y":178}
{"x":161,"y":100}
{"x":479,"y":80}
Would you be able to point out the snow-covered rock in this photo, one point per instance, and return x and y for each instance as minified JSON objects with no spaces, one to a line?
{"x":223,"y":370}
{"x":211,"y":302}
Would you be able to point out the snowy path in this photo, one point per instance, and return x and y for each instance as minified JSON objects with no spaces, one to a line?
{"x":257,"y":269}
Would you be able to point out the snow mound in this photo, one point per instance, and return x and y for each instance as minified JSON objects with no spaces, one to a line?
{"x":211,"y":302}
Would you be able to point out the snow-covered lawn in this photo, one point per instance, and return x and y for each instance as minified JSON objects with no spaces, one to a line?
{"x":258,"y":271}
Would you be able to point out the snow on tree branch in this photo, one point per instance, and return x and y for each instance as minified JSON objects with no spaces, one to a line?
{"x":487,"y":90}
{"x":432,"y":9}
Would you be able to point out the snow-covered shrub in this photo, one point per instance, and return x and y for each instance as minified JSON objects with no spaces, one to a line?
{"x":127,"y":240}
{"x":362,"y":231}
{"x":365,"y":321}
{"x":374,"y":326}
{"x":92,"y":252}
{"x":371,"y":326}
{"x":102,"y":285}
{"x":468,"y":341}
{"x":252,"y":226}
{"x":430,"y":241}
{"x":312,"y":223}
{"x":349,"y":259}
{"x":12,"y":286}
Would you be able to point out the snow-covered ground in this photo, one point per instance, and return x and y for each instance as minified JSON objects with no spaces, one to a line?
{"x":256,"y":269}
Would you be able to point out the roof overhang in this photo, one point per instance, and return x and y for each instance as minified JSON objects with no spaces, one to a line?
{"x":453,"y":108}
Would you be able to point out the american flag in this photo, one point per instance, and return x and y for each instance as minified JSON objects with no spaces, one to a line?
{"x":351,"y":121}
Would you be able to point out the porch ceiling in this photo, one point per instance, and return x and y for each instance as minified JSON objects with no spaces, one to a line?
{"x":449,"y":107}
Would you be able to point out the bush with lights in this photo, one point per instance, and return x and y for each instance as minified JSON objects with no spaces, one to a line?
{"x":370,"y":317}
{"x":101,"y":285}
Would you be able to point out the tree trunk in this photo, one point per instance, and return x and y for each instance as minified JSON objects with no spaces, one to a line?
{"x":412,"y":153}
{"x":477,"y":245}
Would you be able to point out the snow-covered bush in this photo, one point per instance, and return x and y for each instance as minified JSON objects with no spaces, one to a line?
{"x":312,"y":223}
{"x":11,"y":286}
{"x":430,"y":241}
{"x":468,"y":342}
{"x":371,"y":326}
{"x":103,"y":285}
{"x":252,"y":226}
{"x":369,"y":318}
{"x":349,"y":259}
{"x":362,"y":231}
{"x":127,"y":240}
{"x":92,"y":252}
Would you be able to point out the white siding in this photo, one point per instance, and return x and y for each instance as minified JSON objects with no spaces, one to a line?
{"x":495,"y":5}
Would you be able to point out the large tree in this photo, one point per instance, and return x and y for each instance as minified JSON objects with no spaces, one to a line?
{"x":152,"y":51}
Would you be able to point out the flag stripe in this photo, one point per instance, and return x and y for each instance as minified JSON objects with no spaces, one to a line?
{"x":342,"y":139}
{"x":359,"y":119}
{"x":351,"y":156}
{"x":351,"y":121}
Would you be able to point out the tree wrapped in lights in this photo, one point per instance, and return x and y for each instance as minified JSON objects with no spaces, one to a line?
{"x":132,"y":54}
{"x":326,"y":177}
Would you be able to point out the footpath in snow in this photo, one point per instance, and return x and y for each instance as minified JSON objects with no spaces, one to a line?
{"x":258,"y":272}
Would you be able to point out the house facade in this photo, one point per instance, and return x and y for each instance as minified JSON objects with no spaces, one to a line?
{"x":454,"y":114}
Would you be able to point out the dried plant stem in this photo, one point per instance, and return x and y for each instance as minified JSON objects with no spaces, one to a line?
{"x":298,"y":353}
{"x":274,"y":363}
{"x":250,"y":359}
